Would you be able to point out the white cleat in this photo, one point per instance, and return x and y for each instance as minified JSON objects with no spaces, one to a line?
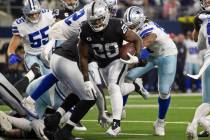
{"x":140,"y":88}
{"x":159,"y":127}
{"x":113,"y":132}
{"x":29,"y":106}
{"x":191,"y":132}
{"x":80,"y":127}
{"x":4,"y":122}
{"x":205,"y":124}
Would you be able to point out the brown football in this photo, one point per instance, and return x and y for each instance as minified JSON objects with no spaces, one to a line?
{"x":127,"y":48}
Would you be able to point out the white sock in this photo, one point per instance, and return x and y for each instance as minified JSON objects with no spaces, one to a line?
{"x":127,"y":88}
{"x":30,"y":99}
{"x":30,"y":75}
{"x":116,"y":100}
{"x":61,"y":111}
{"x":201,"y":111}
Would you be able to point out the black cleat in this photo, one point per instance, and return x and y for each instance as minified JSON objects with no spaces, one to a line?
{"x":51,"y":122}
{"x":203,"y":134}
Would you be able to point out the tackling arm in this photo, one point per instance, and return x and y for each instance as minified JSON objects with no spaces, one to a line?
{"x":132,"y":37}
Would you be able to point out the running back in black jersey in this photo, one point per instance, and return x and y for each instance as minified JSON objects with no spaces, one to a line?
{"x":197,"y":21}
{"x":106,"y":43}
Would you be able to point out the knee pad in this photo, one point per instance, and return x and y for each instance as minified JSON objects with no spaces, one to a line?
{"x":164,"y":95}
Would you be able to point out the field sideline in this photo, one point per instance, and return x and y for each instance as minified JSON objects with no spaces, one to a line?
{"x":140,"y":117}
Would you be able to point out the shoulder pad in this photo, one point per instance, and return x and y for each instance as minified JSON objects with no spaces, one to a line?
{"x":20,"y":20}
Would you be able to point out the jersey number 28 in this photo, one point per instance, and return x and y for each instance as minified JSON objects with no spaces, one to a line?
{"x":39,"y":38}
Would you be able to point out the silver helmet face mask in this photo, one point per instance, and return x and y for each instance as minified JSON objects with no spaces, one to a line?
{"x":98,"y":16}
{"x":205,"y":5}
{"x":134,"y":17}
{"x":70,"y":6}
{"x":32,"y":11}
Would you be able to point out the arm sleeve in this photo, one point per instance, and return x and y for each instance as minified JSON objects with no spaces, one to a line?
{"x":197,"y":23}
{"x":146,"y":31}
{"x":15,"y":30}
{"x":201,"y":39}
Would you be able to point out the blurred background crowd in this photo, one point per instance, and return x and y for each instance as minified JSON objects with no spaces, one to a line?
{"x":176,"y":16}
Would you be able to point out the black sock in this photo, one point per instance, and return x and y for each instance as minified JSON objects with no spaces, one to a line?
{"x":22,"y":84}
{"x":81,"y":109}
{"x":137,"y":88}
{"x":69,"y":102}
{"x":115,"y":123}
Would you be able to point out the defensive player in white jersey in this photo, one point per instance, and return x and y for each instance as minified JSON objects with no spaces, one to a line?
{"x":33,"y":29}
{"x":202,"y":29}
{"x":192,"y":62}
{"x":164,"y":55}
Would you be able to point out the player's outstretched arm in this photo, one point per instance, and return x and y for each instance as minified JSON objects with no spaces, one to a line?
{"x":83,"y":53}
{"x":132,"y":37}
{"x":14,"y":42}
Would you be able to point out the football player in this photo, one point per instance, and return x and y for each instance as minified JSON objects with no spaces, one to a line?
{"x":105,"y":35}
{"x":164,"y":55}
{"x":202,"y":30}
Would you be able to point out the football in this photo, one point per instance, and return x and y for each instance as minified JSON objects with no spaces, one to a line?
{"x":127,"y":48}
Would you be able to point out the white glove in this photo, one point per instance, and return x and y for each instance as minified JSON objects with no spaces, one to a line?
{"x":89,"y":88}
{"x":133,"y":59}
{"x":104,"y":121}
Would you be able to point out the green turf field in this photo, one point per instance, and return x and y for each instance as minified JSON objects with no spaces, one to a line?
{"x":140,"y":117}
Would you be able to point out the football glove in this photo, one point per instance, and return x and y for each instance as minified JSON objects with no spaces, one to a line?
{"x":133,"y":59}
{"x":145,"y":53}
{"x":89,"y":88}
{"x":13,"y":59}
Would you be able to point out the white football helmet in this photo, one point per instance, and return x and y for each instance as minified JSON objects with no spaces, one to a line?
{"x":98,"y":16}
{"x":32,"y":10}
{"x":69,"y":4}
{"x":112,"y":5}
{"x":205,"y":5}
{"x":134,"y":17}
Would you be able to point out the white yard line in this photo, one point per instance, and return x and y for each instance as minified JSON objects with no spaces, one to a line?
{"x":173,"y":95}
{"x":123,"y":134}
{"x":127,"y":121}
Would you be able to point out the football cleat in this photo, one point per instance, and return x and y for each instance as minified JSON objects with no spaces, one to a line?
{"x":138,"y":83}
{"x":80,"y":127}
{"x":114,"y":130}
{"x":159,"y":127}
{"x":29,"y":107}
{"x":191,"y":132}
{"x":203,"y":134}
{"x":5,"y":124}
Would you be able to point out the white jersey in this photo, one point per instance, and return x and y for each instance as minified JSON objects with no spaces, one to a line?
{"x":192,"y":55}
{"x":204,"y":37}
{"x":35,"y":36}
{"x":164,"y":45}
{"x":63,"y":29}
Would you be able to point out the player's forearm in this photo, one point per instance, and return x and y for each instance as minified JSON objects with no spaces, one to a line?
{"x":15,"y":41}
{"x":195,"y":35}
{"x":138,"y":45}
{"x":84,"y":68}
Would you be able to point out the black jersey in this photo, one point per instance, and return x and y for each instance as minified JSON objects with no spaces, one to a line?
{"x":106,"y":43}
{"x":197,"y":21}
